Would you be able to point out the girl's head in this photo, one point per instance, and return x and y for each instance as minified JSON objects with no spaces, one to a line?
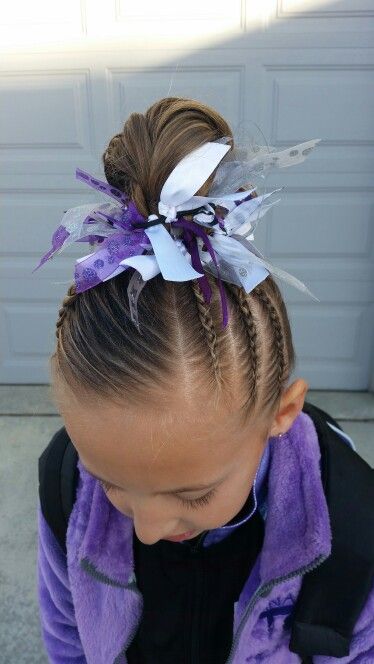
{"x":186,"y":404}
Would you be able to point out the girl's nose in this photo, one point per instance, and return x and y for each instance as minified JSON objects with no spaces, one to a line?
{"x":151,"y":527}
{"x":152,"y":534}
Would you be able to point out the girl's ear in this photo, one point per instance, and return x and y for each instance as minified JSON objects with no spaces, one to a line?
{"x":290,"y":406}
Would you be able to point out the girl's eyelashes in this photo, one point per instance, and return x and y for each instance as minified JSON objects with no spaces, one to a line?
{"x":198,"y":502}
{"x":195,"y":503}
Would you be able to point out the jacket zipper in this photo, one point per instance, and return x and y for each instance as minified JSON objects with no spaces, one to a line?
{"x":132,"y":586}
{"x":265,"y":590}
{"x":195,"y":641}
{"x":195,"y":615}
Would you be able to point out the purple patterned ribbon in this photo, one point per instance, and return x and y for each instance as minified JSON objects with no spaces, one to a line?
{"x":106,"y":188}
{"x":102,"y":263}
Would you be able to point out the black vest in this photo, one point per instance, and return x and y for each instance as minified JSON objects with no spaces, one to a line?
{"x":189,"y":592}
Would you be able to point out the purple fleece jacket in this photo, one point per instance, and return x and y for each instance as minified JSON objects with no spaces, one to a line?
{"x":90,"y":606}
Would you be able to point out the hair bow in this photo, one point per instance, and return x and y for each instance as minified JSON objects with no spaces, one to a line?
{"x":221,"y":246}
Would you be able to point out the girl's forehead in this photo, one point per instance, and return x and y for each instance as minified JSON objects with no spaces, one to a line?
{"x":173,"y":412}
{"x":151,"y":427}
{"x":163,"y":440}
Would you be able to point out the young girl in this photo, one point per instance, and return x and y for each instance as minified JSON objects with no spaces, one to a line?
{"x":199,"y":506}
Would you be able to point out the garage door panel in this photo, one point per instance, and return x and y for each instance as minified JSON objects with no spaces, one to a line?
{"x":297,"y":90}
{"x":306,"y":218}
{"x":57,"y":118}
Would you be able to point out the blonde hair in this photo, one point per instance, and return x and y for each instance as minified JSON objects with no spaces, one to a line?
{"x":99,"y":351}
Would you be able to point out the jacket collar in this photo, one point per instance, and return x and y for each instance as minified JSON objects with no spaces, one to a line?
{"x":297,"y":530}
{"x":297,"y":525}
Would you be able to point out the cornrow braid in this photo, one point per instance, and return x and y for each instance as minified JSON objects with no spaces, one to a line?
{"x":208,"y":325}
{"x":252,"y":335}
{"x":276,"y":329}
{"x":67,"y":303}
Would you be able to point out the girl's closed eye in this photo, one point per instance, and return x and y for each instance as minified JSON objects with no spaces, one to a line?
{"x":195,"y":503}
{"x":198,"y":502}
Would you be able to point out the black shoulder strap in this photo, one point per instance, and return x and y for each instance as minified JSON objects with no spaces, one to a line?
{"x":58,"y":478}
{"x":332,"y":596}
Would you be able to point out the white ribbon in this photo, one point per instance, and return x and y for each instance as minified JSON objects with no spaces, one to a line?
{"x":177,"y":195}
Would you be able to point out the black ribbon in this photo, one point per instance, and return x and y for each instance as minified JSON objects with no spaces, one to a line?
{"x":161,"y":218}
{"x":146,"y":224}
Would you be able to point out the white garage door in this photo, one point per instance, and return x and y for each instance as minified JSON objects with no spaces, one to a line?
{"x":72,"y":72}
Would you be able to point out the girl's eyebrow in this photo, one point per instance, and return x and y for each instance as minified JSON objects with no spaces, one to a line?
{"x":169,"y":491}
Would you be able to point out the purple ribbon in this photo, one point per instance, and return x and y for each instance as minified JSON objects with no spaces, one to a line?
{"x":106,"y":188}
{"x":58,"y":239}
{"x":193,"y":229}
{"x":96,"y":268}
